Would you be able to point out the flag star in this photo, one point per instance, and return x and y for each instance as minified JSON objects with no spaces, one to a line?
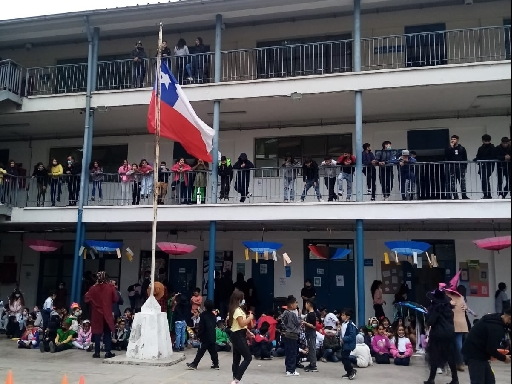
{"x":165,"y":79}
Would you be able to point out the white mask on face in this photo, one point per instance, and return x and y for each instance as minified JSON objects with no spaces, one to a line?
{"x":242,"y":303}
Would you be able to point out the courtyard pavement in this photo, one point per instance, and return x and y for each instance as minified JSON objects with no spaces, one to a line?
{"x":32,"y":366}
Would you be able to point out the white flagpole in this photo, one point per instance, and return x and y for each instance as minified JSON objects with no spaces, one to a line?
{"x":157,"y":159}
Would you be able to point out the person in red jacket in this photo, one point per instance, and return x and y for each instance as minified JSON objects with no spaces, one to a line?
{"x":348,"y":166}
{"x":100,"y":297}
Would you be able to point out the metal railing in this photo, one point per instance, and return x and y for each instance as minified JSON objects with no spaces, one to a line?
{"x":11,"y":75}
{"x":419,"y":181}
{"x":459,"y":46}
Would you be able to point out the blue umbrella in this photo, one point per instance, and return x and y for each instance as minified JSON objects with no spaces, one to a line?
{"x":104,"y":246}
{"x":415,"y":306}
{"x":262,"y":246}
{"x":341,"y":253}
{"x":407,"y":248}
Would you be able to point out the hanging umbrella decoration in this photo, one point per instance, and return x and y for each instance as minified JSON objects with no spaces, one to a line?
{"x":410,"y":249}
{"x":493,"y":243}
{"x":43,"y":245}
{"x":324,"y":252}
{"x":176,"y":249}
{"x":97,"y":246}
{"x":320,"y":251}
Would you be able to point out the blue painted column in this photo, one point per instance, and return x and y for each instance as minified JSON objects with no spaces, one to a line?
{"x":215,"y":162}
{"x":359,"y":168}
{"x":93,"y":39}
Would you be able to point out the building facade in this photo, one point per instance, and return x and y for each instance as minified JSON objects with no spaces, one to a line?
{"x":287,"y":78}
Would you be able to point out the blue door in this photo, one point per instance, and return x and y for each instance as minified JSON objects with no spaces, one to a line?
{"x":183,"y":275}
{"x":263,"y":276}
{"x":333,"y":280}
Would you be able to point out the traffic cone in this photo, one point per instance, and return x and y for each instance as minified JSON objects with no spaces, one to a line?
{"x":65,"y":380}
{"x":9,"y":379}
{"x":82,"y":380}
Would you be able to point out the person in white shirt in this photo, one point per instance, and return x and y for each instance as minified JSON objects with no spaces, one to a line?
{"x":47,"y":309}
{"x":330,"y":319}
{"x":330,"y":171}
{"x":361,"y":356}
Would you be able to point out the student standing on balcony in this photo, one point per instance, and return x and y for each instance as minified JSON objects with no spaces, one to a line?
{"x":135,"y":176}
{"x":347,"y":162}
{"x":2,"y":173}
{"x":196,"y":68}
{"x":226,"y":175}
{"x":291,"y":167}
{"x":146,"y":186}
{"x":503,"y":154}
{"x":97,"y":180}
{"x":11,"y":182}
{"x":166,"y":54}
{"x":41,"y":175}
{"x":329,"y":167}
{"x":486,"y":156}
{"x":139,"y":65}
{"x":310,"y":178}
{"x":243,"y":176}
{"x":200,"y":181}
{"x":163,"y":182}
{"x":369,"y":163}
{"x":55,"y":173}
{"x":386,"y":158}
{"x":458,"y":156}
{"x":73,"y":171}
{"x":126,"y":177}
{"x":407,"y":174}
{"x":182,"y":54}
{"x":181,"y":178}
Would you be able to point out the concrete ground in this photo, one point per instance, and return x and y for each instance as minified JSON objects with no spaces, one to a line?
{"x":32,"y":366}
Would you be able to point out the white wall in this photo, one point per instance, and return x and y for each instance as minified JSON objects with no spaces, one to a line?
{"x":499,"y":264}
{"x":375,"y":24}
{"x":232,"y":143}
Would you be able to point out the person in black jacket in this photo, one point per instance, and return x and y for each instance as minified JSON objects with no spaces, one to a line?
{"x":72,"y":172}
{"x":441,"y":345}
{"x":482,"y":344}
{"x":226,"y":175}
{"x":207,"y":335}
{"x":385,"y":159}
{"x":41,"y":175}
{"x":503,"y":154}
{"x":139,"y":65}
{"x":456,"y":170}
{"x":243,"y":176}
{"x":11,"y":182}
{"x":310,"y":178}
{"x":163,"y":182}
{"x":486,"y":157}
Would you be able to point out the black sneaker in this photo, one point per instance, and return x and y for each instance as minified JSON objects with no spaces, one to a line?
{"x":345,"y":376}
{"x":109,"y":355}
{"x":300,"y":366}
{"x":191,"y":367}
{"x":41,"y":347}
{"x":309,"y":368}
{"x":52,"y":347}
{"x":96,"y":356}
{"x":215,"y":366}
{"x":352,"y":376}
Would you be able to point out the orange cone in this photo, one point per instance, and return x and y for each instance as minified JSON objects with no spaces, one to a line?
{"x":9,"y":379}
{"x":82,"y":380}
{"x":65,"y":380}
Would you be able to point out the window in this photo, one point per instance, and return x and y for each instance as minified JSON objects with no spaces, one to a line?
{"x":270,"y":152}
{"x":305,"y":56}
{"x":110,"y":157}
{"x":429,"y":144}
{"x":506,"y":23}
{"x":426,"y":45}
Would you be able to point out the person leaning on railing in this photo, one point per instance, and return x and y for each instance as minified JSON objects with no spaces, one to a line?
{"x":2,"y":173}
{"x":139,"y":65}
{"x":456,"y":171}
{"x":226,"y":175}
{"x":41,"y":175}
{"x":486,"y":153}
{"x":503,"y":153}
{"x":11,"y":182}
{"x":55,"y":173}
{"x":200,"y":181}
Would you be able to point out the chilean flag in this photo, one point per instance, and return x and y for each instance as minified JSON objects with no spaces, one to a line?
{"x":178,"y":121}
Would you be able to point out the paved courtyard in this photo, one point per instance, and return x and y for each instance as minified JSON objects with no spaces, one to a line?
{"x":31,"y":366}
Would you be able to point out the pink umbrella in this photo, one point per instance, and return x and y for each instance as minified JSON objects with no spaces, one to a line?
{"x":176,"y":249}
{"x":493,"y":243}
{"x":43,"y":245}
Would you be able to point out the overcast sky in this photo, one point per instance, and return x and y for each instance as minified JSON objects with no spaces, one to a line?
{"x":30,"y":8}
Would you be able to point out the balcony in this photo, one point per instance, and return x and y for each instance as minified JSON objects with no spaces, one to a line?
{"x":463,"y":46}
{"x":421,"y":181}
{"x":11,"y":79}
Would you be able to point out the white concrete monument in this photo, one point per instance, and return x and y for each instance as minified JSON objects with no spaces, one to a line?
{"x":149,"y":337}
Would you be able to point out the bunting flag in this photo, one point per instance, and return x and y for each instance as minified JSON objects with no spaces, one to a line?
{"x":415,"y":258}
{"x":129,"y":254}
{"x":386,"y":258}
{"x":246,"y":254}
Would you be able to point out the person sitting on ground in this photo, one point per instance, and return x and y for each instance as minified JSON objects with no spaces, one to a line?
{"x":30,"y":338}
{"x":83,"y":340}
{"x":222,"y":343}
{"x":120,"y":336}
{"x":381,"y":346}
{"x":331,"y":345}
{"x":361,"y":356}
{"x":63,"y":340}
{"x":207,"y":334}
{"x":401,"y":348}
{"x":262,"y":345}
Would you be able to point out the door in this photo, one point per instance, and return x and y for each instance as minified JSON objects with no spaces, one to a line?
{"x":333,"y":280}
{"x":426,"y":45}
{"x":263,"y":276}
{"x":183,"y":275}
{"x":53,"y":269}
